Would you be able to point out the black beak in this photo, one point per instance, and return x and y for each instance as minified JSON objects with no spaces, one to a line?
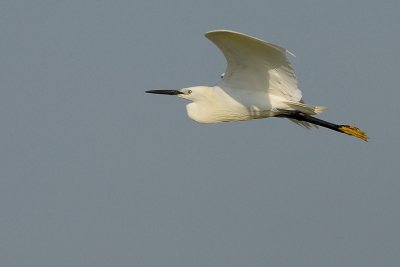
{"x":165,"y":92}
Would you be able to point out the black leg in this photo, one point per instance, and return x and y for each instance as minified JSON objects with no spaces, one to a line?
{"x":347,"y":129}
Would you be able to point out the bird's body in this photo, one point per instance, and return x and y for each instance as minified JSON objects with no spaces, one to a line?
{"x":216,"y":104}
{"x":259,"y":82}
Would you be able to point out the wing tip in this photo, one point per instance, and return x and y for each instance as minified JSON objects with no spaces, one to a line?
{"x":219,"y":30}
{"x":209,"y":34}
{"x":215,"y":34}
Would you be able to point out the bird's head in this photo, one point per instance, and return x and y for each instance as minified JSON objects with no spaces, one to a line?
{"x":191,"y":93}
{"x":201,"y":98}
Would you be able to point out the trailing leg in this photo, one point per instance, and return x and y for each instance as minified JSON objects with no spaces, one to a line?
{"x":347,"y":129}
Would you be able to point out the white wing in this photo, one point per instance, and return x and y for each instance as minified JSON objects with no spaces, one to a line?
{"x":254,"y":64}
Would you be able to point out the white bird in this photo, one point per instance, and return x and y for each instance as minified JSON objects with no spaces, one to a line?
{"x":259,"y":82}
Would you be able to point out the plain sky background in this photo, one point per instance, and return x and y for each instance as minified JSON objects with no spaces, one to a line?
{"x":94,"y":172}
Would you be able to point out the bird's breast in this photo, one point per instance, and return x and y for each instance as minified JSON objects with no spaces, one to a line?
{"x":215,"y":113}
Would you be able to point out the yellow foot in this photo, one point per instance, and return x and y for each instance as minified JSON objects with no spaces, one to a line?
{"x":354,"y":131}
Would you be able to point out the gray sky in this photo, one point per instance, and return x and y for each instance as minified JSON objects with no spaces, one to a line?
{"x":94,"y":172}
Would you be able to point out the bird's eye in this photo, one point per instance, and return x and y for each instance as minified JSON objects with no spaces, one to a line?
{"x":189,"y":92}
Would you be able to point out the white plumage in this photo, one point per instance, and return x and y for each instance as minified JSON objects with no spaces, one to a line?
{"x":259,"y":82}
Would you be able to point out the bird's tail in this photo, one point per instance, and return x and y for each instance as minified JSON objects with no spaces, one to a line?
{"x":306,"y":109}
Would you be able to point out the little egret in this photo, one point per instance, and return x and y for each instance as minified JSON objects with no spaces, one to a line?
{"x":259,"y":82}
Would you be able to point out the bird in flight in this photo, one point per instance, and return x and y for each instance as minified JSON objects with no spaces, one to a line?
{"x":259,"y":82}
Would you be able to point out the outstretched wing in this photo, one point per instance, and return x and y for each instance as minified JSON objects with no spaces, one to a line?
{"x":254,"y":64}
